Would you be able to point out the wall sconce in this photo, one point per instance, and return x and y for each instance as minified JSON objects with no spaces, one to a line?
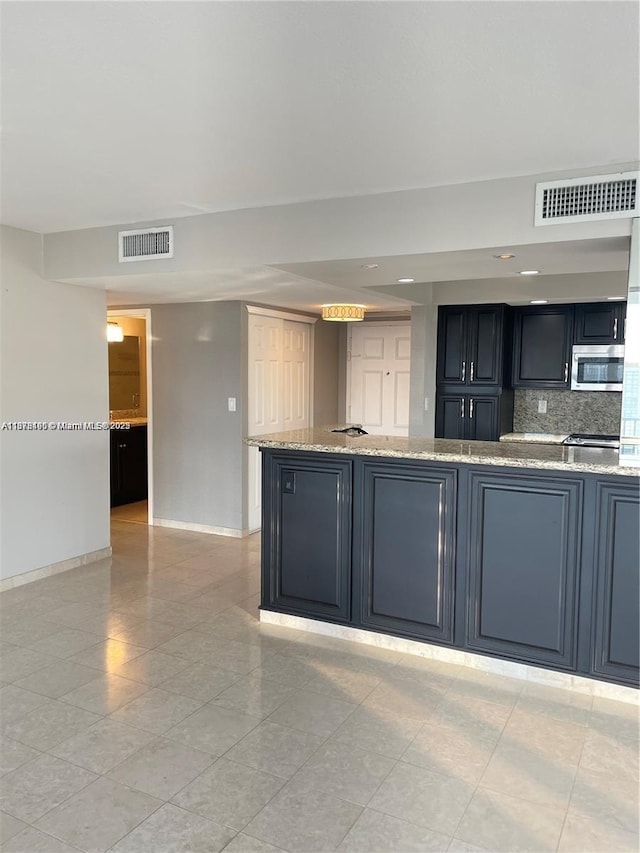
{"x":343,"y":313}
{"x":115,"y":333}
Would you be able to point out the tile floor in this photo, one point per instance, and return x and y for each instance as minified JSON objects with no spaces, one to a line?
{"x":145,"y":710}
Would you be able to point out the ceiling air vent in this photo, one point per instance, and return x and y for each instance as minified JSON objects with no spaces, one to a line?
{"x":145,"y":244}
{"x":585,"y":199}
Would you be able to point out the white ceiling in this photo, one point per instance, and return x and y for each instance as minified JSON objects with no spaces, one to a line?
{"x":121,"y":112}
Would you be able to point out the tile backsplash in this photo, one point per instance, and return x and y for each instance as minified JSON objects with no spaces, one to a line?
{"x":568,"y":411}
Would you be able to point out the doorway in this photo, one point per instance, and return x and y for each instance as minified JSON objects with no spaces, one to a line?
{"x":378,"y":373}
{"x":130,"y":398}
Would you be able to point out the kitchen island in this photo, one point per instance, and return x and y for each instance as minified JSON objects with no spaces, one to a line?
{"x":481,"y":553}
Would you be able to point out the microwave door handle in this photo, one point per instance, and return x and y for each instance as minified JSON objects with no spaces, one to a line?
{"x":615,"y":329}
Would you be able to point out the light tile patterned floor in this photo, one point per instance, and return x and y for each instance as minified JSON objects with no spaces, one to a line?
{"x":145,"y":710}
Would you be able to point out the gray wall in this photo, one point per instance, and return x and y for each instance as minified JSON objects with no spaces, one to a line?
{"x":326,"y":371}
{"x":199,"y":361}
{"x":422,"y":394}
{"x":54,"y":485}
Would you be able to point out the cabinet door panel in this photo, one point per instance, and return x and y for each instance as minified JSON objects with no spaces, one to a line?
{"x":486,"y":347}
{"x":128,"y":465}
{"x":406,"y":556}
{"x":452,"y":346}
{"x":521,"y":584}
{"x":308,"y":542}
{"x":542,"y":345}
{"x":450,"y":416}
{"x":617,"y":555}
{"x":483,"y":422}
{"x":598,"y":323}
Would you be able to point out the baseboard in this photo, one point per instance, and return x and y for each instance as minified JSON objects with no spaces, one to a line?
{"x":55,"y":568}
{"x":458,"y":657}
{"x":233,"y":532}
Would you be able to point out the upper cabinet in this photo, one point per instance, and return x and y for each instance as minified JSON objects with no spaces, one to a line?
{"x":600,"y":323}
{"x":471,"y":345}
{"x":542,"y":339}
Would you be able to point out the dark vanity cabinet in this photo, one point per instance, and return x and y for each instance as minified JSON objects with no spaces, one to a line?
{"x":542,"y":340}
{"x":471,"y":345}
{"x":474,"y":417}
{"x":404,"y":549}
{"x":600,"y":323}
{"x":307,"y":536}
{"x":128,"y":458}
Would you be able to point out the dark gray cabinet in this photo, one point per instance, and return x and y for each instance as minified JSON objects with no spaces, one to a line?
{"x":534,"y":566}
{"x":542,"y":340}
{"x":522,"y":566}
{"x":307,"y":535}
{"x":128,"y":463}
{"x":617,"y":560}
{"x":473,"y":417}
{"x":600,"y":323}
{"x":404,"y":551}
{"x":471,"y":345}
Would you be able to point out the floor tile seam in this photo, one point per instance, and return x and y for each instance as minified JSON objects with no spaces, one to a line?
{"x":48,"y":835}
{"x":28,"y":761}
{"x":64,"y":841}
{"x":86,"y":785}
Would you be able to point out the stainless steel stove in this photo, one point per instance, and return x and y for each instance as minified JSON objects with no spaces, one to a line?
{"x":584,"y":439}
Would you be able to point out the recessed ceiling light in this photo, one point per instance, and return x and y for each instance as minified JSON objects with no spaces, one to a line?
{"x":406,"y":280}
{"x":369,"y":266}
{"x":538,"y":301}
{"x":505,"y":256}
{"x":529,"y":272}
{"x":616,"y":298}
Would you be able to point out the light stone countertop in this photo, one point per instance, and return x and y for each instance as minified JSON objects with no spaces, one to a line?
{"x":588,"y":460}
{"x":535,"y":437}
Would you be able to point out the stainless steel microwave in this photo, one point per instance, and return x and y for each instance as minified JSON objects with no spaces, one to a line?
{"x":597,"y":368}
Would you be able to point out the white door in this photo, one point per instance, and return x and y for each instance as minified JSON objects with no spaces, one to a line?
{"x":279,"y":364}
{"x":378,"y":377}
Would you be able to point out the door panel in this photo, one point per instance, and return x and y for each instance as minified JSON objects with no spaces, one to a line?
{"x":522,"y":585}
{"x":379,"y":376}
{"x":452,"y":346}
{"x":617,"y":556}
{"x":450,"y":416}
{"x":278,"y":393}
{"x":482,"y":423}
{"x":542,"y":347}
{"x":486,"y":347}
{"x":307,"y":566}
{"x":406,"y":558}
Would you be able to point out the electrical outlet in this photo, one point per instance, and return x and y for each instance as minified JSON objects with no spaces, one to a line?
{"x":231,"y":403}
{"x":542,"y":407}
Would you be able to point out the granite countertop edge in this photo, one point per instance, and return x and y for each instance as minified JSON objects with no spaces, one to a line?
{"x":470,"y":453}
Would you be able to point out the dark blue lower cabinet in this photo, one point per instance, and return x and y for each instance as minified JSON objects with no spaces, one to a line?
{"x":617,"y":590}
{"x":307,"y":536}
{"x":404,"y":549}
{"x":523,"y":558}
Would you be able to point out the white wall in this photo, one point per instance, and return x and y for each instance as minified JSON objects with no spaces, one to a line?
{"x":54,"y":486}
